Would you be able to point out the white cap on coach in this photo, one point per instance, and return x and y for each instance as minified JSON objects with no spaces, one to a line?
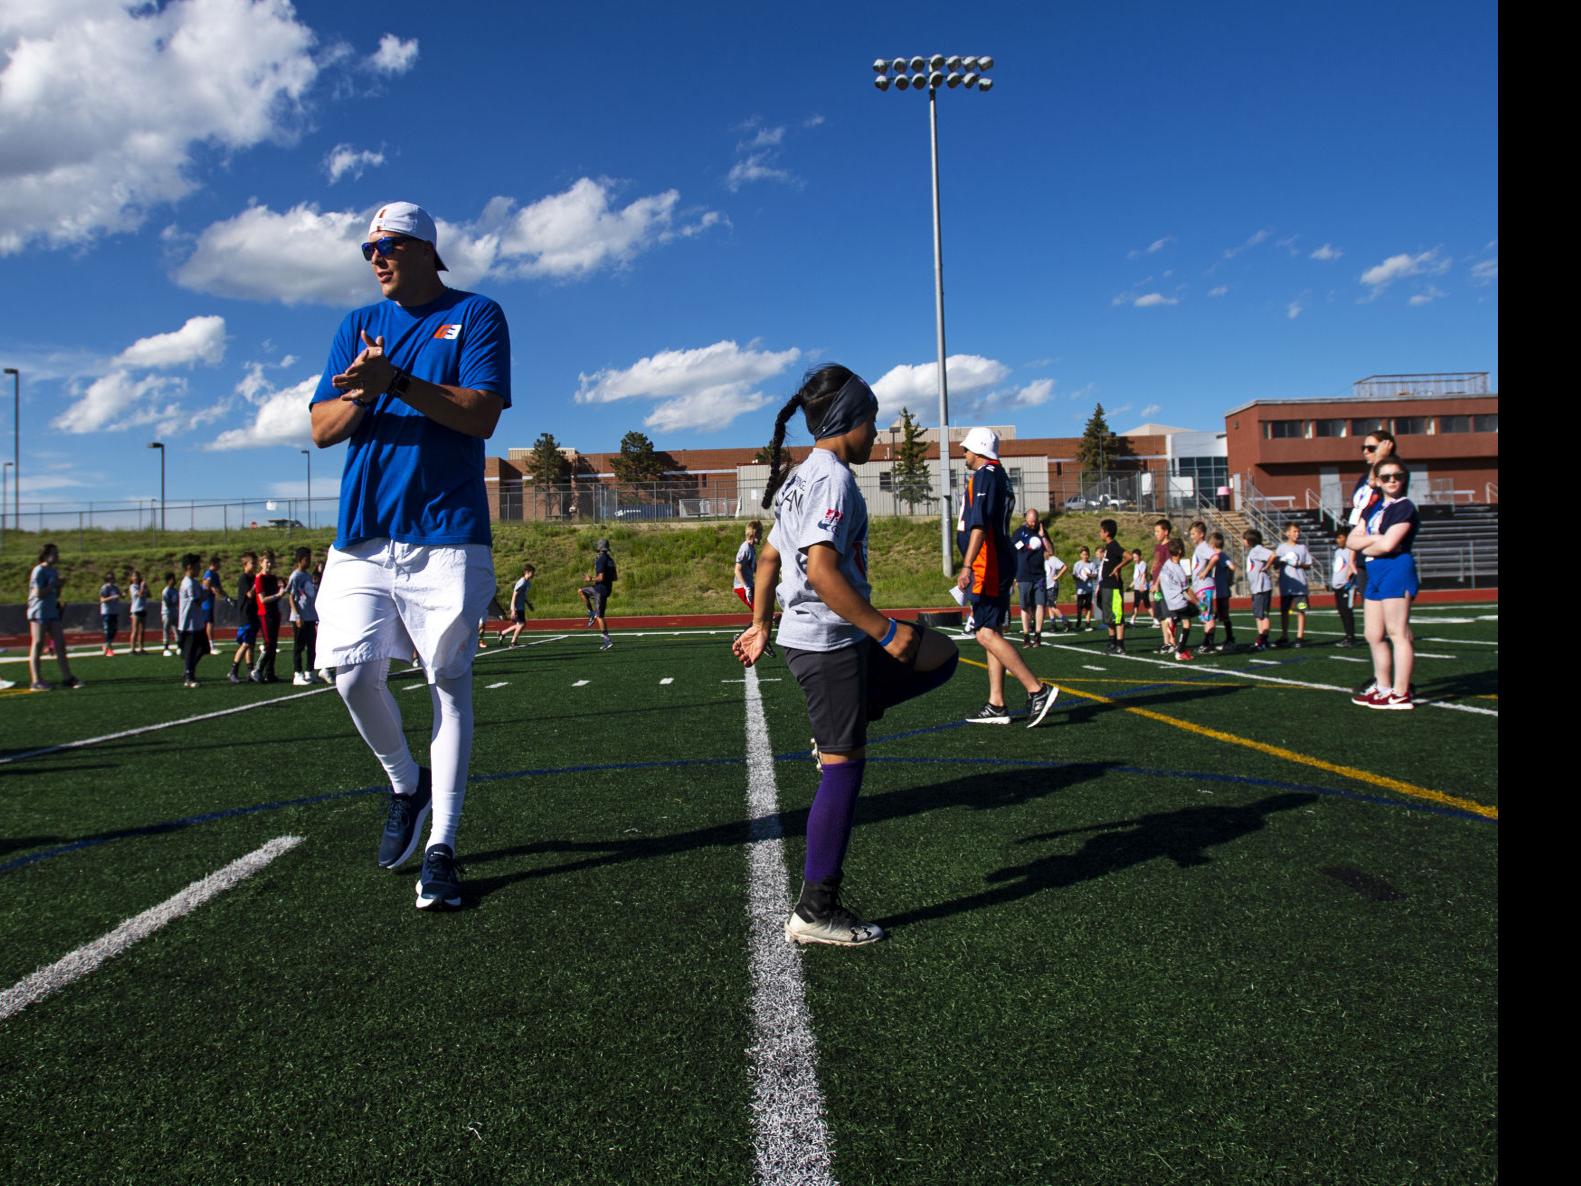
{"x":410,"y":219}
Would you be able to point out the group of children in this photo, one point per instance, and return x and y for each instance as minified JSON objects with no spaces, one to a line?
{"x":1186,"y":580}
{"x":186,"y":611}
{"x":594,"y":593}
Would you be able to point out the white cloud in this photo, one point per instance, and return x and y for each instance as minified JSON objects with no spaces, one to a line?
{"x":201,"y":339}
{"x":394,"y":56}
{"x":279,"y":418}
{"x":1397,"y":267}
{"x":1294,"y":309}
{"x":104,"y":102}
{"x":1257,"y":239}
{"x":344,"y":159}
{"x":912,"y":386}
{"x":757,"y":167}
{"x":1151,"y":410}
{"x":303,"y":255}
{"x":118,"y":401}
{"x":1486,"y":271}
{"x":702,"y":388}
{"x":1152,"y":248}
{"x":813,"y":121}
{"x":1427,"y":296}
{"x":765,"y":138}
{"x":1219,"y":291}
{"x":1152,"y":299}
{"x":1326,"y":252}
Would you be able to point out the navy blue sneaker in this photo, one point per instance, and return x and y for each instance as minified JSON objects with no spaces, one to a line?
{"x":404,"y":823}
{"x":438,"y":884}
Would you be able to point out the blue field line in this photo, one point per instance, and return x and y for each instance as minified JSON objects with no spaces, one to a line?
{"x":207,"y":817}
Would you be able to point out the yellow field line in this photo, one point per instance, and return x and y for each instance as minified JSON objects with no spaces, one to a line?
{"x":1369,"y":777}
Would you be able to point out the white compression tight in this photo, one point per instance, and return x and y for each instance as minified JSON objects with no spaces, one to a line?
{"x":378,"y":719}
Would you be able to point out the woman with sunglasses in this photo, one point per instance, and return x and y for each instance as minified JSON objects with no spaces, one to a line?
{"x":1385,"y":537}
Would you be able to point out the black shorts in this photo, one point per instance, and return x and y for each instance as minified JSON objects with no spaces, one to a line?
{"x":847,"y":688}
{"x":1083,"y":601}
{"x":599,"y":597}
{"x":1296,"y":601}
{"x":990,"y":613}
{"x":141,"y":615}
{"x":1187,"y":613}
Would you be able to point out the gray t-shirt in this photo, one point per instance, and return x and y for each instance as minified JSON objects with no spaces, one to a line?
{"x":1202,"y":566}
{"x":191,"y":614}
{"x":43,"y":594}
{"x":819,"y":504}
{"x":138,"y":592}
{"x":1293,"y":579}
{"x":1258,"y":578}
{"x":301,"y":594}
{"x":1173,"y":581}
{"x":112,"y":607}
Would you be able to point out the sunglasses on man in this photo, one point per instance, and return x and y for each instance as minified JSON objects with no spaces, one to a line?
{"x":383,"y":246}
{"x":1396,"y":476}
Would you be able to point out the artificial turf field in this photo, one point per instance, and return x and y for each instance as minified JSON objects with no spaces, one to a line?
{"x":1177,"y":934}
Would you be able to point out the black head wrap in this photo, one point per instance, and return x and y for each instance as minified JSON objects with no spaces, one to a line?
{"x":854,"y":404}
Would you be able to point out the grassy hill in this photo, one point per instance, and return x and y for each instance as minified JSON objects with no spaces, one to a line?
{"x":664,"y":567}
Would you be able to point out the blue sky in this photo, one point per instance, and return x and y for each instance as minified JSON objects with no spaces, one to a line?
{"x":1167,"y":208}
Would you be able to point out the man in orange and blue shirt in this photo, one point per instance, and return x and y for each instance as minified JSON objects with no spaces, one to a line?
{"x":986,"y":575}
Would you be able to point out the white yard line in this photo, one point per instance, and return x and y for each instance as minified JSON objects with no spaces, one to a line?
{"x":1349,"y":659}
{"x":1090,"y":667}
{"x":1274,"y":679}
{"x":91,"y":956}
{"x":790,"y":1137}
{"x":1265,"y":662}
{"x":669,"y":679}
{"x":1425,"y":655}
{"x":504,"y":683}
{"x":581,"y":683}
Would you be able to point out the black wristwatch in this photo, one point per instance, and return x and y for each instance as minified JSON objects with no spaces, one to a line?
{"x":400,"y":383}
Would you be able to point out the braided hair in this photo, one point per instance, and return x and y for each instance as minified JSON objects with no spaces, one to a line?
{"x":818,"y":388}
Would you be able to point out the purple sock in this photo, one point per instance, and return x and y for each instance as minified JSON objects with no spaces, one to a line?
{"x":829,"y":821}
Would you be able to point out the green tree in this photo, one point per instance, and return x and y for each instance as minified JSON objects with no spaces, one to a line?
{"x":637,"y":460}
{"x":550,"y":471}
{"x":910,"y":478}
{"x":1099,"y":446}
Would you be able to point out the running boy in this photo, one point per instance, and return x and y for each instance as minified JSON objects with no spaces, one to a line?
{"x":1260,"y":582}
{"x":851,"y":661}
{"x":521,"y":602}
{"x":1294,"y":560}
{"x":604,"y":576}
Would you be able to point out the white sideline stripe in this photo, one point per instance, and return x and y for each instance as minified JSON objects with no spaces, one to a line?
{"x":669,"y":679}
{"x":1460,"y":642}
{"x":1275,"y":679}
{"x":91,"y":956}
{"x":1425,"y":655}
{"x":1265,"y":662}
{"x":1348,"y":659}
{"x":502,"y":684}
{"x":581,"y":683}
{"x":790,"y":1139}
{"x":1090,"y":667}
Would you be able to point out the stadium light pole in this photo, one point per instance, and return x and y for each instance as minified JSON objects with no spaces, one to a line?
{"x":309,"y":457}
{"x":16,"y":443}
{"x":5,"y":479}
{"x":160,"y":446}
{"x":930,"y":74}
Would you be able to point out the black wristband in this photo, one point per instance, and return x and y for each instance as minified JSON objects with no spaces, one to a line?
{"x":400,"y":383}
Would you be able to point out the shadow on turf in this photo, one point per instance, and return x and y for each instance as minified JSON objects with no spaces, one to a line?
{"x":984,"y":792}
{"x":1183,"y":836}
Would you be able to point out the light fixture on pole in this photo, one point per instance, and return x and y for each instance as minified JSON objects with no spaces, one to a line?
{"x":929,"y":74}
{"x":309,"y":457}
{"x":16,"y":444}
{"x":160,"y":446}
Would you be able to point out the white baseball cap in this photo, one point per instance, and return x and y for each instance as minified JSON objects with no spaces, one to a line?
{"x":982,"y":441}
{"x":407,"y":218}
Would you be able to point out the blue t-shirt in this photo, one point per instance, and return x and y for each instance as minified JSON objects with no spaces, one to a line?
{"x":1028,"y":545}
{"x":989,"y":503}
{"x":604,"y":572}
{"x":1384,"y":515}
{"x":408,"y":478}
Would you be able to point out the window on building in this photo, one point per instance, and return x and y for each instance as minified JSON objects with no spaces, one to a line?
{"x":1208,"y":473}
{"x":1284,"y":429}
{"x":1330,"y":428}
{"x":1488,"y":423}
{"x":886,"y":479}
{"x":1454,"y":424}
{"x":1410,"y":426}
{"x":1360,"y":428}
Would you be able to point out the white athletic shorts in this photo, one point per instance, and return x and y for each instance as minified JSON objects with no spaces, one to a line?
{"x":382,"y":600}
